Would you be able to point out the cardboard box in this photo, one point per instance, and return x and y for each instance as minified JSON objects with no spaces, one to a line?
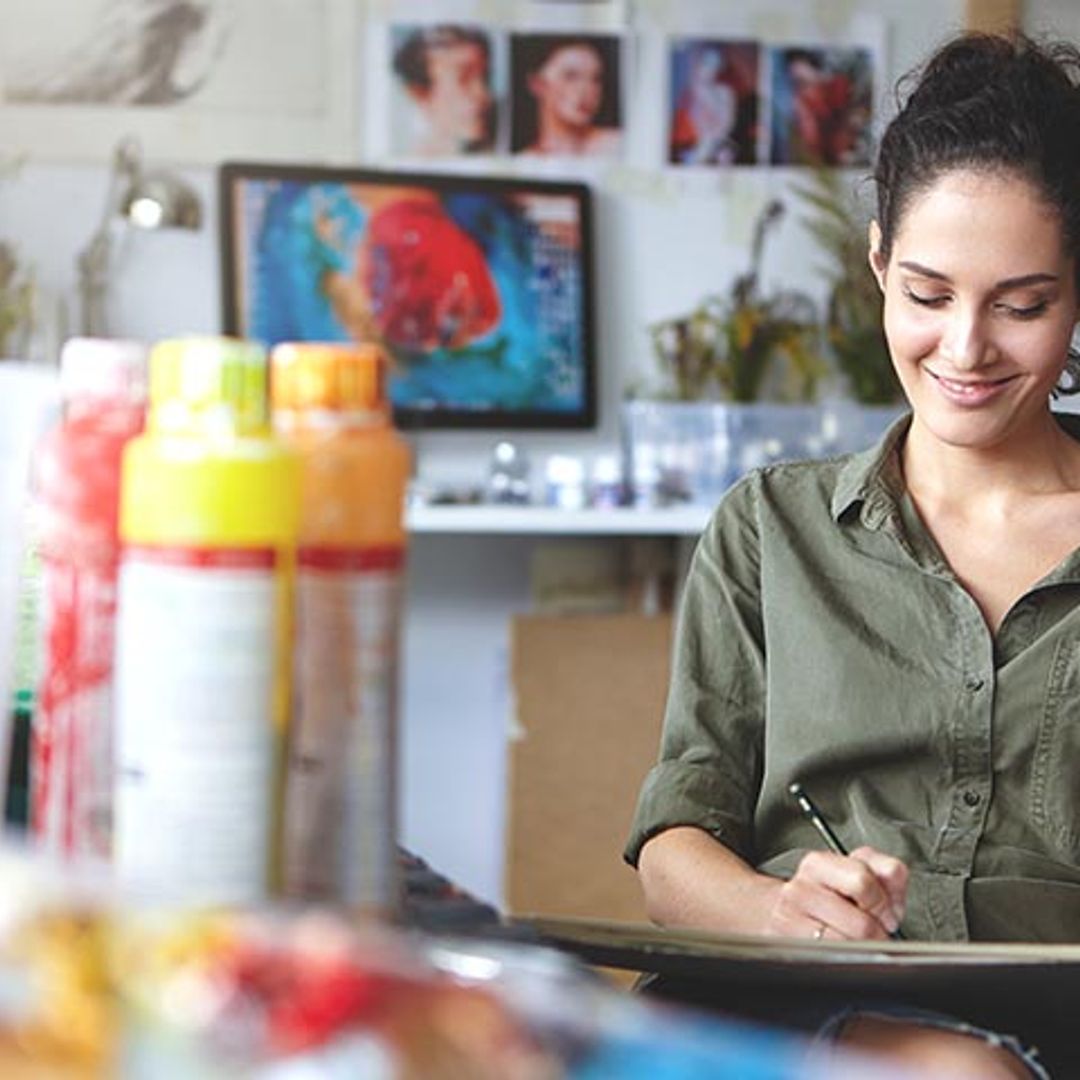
{"x":590,"y":692}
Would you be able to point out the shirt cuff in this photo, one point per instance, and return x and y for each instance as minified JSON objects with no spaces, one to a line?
{"x":680,"y":793}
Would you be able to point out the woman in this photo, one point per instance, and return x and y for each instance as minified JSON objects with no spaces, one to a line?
{"x":708,"y":109}
{"x":899,"y":631}
{"x":566,"y":80}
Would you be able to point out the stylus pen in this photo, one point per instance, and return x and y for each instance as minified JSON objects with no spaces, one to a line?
{"x":832,"y":841}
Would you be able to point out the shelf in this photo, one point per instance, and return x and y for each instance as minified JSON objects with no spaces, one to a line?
{"x":549,"y":520}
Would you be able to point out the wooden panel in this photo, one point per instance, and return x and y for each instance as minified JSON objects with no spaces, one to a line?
{"x":590,"y":692}
{"x":993,"y":15}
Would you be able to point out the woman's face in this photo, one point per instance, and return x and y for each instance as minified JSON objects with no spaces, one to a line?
{"x":569,"y":85}
{"x":458,"y":100}
{"x":980,"y":305}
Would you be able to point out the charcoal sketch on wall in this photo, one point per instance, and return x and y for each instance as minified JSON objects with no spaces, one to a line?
{"x":196,"y":81}
{"x":123,"y":52}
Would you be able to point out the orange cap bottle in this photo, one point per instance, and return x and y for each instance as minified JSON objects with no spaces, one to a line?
{"x":330,"y":403}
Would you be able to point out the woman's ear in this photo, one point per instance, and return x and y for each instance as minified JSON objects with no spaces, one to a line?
{"x":877,"y":260}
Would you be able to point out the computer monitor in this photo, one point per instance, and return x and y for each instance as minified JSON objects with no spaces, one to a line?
{"x":480,"y":288}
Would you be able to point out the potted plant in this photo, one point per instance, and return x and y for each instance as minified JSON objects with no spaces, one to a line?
{"x":17,"y":289}
{"x":852,"y":324}
{"x":745,"y":346}
{"x":740,"y":372}
{"x":16,"y":302}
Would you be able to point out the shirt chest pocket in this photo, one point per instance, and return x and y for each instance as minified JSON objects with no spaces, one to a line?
{"x":1055,"y":789}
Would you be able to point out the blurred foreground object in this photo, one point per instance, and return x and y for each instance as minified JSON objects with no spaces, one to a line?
{"x":209,"y":513}
{"x":104,"y":990}
{"x":28,"y":399}
{"x":330,"y":405}
{"x":76,"y":502}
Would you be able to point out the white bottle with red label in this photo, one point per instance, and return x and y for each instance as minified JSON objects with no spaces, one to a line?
{"x":77,"y":484}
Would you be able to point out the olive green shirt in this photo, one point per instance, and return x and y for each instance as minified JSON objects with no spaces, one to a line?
{"x":823,"y":638}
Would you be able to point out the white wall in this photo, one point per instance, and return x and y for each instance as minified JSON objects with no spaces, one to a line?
{"x":661,"y":243}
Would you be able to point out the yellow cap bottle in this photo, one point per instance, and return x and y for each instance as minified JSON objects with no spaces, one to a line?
{"x":209,"y":513}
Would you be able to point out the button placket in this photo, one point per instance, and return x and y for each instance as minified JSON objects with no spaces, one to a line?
{"x":972,"y":770}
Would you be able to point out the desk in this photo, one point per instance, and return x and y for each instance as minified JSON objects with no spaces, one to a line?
{"x":1028,"y":989}
{"x":683,"y":520}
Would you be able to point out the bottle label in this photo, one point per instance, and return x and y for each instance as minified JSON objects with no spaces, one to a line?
{"x":198,"y":655}
{"x":340,"y":828}
{"x":71,"y":755}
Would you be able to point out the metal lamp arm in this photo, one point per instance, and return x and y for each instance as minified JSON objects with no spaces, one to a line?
{"x":93,"y":259}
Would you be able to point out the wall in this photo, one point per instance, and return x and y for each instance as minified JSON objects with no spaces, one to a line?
{"x":660,"y":244}
{"x":660,"y":247}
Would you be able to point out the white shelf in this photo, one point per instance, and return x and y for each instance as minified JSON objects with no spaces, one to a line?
{"x":525,"y":520}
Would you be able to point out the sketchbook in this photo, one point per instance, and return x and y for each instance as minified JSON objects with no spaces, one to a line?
{"x":893,"y":966}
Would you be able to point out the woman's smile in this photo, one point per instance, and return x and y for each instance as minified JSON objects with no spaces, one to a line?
{"x":971,"y":393}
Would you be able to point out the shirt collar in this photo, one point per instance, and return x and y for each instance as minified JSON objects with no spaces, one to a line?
{"x":872,"y":479}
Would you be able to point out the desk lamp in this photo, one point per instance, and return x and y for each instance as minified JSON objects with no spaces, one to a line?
{"x":147,"y":200}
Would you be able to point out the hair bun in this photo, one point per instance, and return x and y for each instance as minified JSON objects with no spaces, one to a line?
{"x":963,"y":68}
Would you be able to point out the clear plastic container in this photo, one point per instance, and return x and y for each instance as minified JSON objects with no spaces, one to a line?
{"x":692,"y":452}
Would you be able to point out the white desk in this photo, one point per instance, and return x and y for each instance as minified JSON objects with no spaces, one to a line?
{"x":547,"y":520}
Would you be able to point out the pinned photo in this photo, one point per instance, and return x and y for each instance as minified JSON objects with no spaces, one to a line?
{"x":714,"y":102}
{"x":444,"y":100}
{"x":566,"y":95}
{"x":822,"y":106}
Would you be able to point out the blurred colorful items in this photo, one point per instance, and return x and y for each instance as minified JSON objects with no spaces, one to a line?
{"x":307,"y":996}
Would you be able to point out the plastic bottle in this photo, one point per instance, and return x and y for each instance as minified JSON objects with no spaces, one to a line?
{"x":208,"y":520}
{"x":77,"y":484}
{"x":330,"y":402}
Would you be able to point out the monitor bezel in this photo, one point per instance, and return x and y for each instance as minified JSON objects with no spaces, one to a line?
{"x":232,"y":173}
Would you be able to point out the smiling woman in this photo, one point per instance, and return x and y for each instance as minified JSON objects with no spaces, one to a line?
{"x":899,"y":631}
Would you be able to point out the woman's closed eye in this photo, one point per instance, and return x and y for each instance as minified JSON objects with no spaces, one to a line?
{"x":1021,"y":311}
{"x":1014,"y":311}
{"x":926,"y":299}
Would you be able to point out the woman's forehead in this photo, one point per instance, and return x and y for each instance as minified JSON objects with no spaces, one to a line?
{"x":967,"y":204}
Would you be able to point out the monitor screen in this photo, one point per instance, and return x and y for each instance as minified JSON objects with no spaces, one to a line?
{"x":479,"y":288}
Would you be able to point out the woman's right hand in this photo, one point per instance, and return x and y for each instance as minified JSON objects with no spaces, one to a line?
{"x":854,"y":897}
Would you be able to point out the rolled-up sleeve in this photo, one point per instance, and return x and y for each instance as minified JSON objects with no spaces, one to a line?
{"x":709,"y":768}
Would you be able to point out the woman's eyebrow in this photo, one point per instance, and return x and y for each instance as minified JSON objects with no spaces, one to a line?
{"x":1008,"y":283}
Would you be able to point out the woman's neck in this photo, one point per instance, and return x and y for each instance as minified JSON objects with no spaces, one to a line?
{"x":557,"y":137}
{"x":1040,"y":461}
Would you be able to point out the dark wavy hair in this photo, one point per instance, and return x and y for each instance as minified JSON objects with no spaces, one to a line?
{"x":411,"y":58}
{"x":989,"y":103}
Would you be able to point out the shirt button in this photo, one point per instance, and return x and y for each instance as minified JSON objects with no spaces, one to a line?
{"x":973,"y":684}
{"x":972,"y":798}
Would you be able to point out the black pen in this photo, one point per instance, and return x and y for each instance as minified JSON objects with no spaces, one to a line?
{"x":832,"y":841}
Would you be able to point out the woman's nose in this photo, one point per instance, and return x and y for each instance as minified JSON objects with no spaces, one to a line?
{"x":964,"y":343}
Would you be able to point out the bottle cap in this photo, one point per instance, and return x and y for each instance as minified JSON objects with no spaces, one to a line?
{"x":325,"y":376}
{"x":103,"y":369}
{"x":208,"y":386}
